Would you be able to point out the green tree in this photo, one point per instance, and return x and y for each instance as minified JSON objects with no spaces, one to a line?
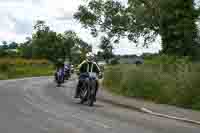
{"x":84,"y":48}
{"x":25,"y":48}
{"x":178,"y":28}
{"x":5,"y":45}
{"x":174,"y":21}
{"x":107,"y":48}
{"x":3,"y":49}
{"x":70,"y":43}
{"x":46,"y":43}
{"x":13,"y":45}
{"x":9,"y":49}
{"x":74,"y":47}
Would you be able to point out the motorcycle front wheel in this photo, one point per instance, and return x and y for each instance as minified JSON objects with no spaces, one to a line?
{"x":91,"y":98}
{"x":83,"y":93}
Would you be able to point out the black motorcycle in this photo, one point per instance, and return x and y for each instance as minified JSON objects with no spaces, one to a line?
{"x":88,"y":88}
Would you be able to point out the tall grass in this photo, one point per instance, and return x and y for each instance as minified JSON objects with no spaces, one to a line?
{"x":18,"y":67}
{"x":165,"y":79}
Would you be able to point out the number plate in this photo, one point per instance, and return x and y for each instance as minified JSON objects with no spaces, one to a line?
{"x":94,"y":75}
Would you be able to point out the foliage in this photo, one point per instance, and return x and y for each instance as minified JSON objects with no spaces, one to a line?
{"x":178,"y":28}
{"x":9,"y":49}
{"x":74,"y":46}
{"x":166,"y":80}
{"x":26,"y":49}
{"x":174,"y":21}
{"x":107,"y":48}
{"x":46,"y":43}
{"x":114,"y":61}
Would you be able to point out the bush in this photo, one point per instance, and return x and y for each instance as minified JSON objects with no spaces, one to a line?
{"x":114,"y":61}
{"x":168,"y":80}
{"x":4,"y":67}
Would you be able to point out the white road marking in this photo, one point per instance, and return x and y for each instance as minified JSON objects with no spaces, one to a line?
{"x":170,"y":117}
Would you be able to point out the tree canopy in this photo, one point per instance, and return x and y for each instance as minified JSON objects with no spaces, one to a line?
{"x":174,"y":21}
{"x":48,"y":44}
{"x":51,"y":45}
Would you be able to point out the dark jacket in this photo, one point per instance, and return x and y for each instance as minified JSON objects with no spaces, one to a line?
{"x":86,"y":66}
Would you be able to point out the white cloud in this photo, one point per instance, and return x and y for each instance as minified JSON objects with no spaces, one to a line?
{"x":126,"y":47}
{"x":19,"y":16}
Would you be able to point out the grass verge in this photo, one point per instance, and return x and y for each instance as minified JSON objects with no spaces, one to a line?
{"x":168,"y":81}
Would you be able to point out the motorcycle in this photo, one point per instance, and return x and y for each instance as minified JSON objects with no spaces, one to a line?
{"x":87,"y":91}
{"x":59,"y":77}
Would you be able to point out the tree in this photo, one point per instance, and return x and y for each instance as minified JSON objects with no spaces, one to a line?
{"x":174,"y":21}
{"x":70,"y":43}
{"x":4,"y":42}
{"x":13,"y":45}
{"x":46,"y":43}
{"x":3,"y":49}
{"x":99,"y":56}
{"x":84,"y":48}
{"x":25,"y":49}
{"x":74,"y":47}
{"x":107,"y":48}
{"x":50,"y":45}
{"x":178,"y":28}
{"x":5,"y":45}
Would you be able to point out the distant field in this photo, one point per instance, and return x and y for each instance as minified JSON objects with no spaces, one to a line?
{"x":164,"y":80}
{"x":19,"y":68}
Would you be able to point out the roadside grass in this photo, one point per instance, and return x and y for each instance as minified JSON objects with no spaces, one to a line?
{"x":162,"y":80}
{"x":18,"y":68}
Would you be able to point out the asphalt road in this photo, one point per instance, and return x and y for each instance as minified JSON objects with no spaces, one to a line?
{"x":36,"y":105}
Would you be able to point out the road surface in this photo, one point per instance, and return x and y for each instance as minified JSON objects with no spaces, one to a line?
{"x":36,"y":105}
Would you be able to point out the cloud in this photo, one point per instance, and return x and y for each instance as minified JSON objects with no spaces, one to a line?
{"x":64,"y":15}
{"x":20,"y":26}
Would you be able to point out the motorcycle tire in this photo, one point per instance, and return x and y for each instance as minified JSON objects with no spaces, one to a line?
{"x":91,"y":99}
{"x":84,"y":95}
{"x":91,"y":102}
{"x":58,"y":84}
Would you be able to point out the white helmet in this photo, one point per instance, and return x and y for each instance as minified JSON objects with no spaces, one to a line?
{"x":90,"y":56}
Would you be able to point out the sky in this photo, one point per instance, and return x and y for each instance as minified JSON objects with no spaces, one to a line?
{"x":19,"y":16}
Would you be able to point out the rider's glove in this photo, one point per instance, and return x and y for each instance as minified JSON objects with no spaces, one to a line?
{"x":100,"y":76}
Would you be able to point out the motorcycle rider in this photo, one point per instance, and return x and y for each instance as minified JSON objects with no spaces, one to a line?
{"x":88,"y":65}
{"x":59,"y":65}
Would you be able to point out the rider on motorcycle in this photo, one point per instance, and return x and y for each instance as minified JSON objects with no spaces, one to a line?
{"x":88,"y":65}
{"x":59,"y":65}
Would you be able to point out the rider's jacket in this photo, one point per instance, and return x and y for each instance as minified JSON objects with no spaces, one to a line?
{"x":86,"y":66}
